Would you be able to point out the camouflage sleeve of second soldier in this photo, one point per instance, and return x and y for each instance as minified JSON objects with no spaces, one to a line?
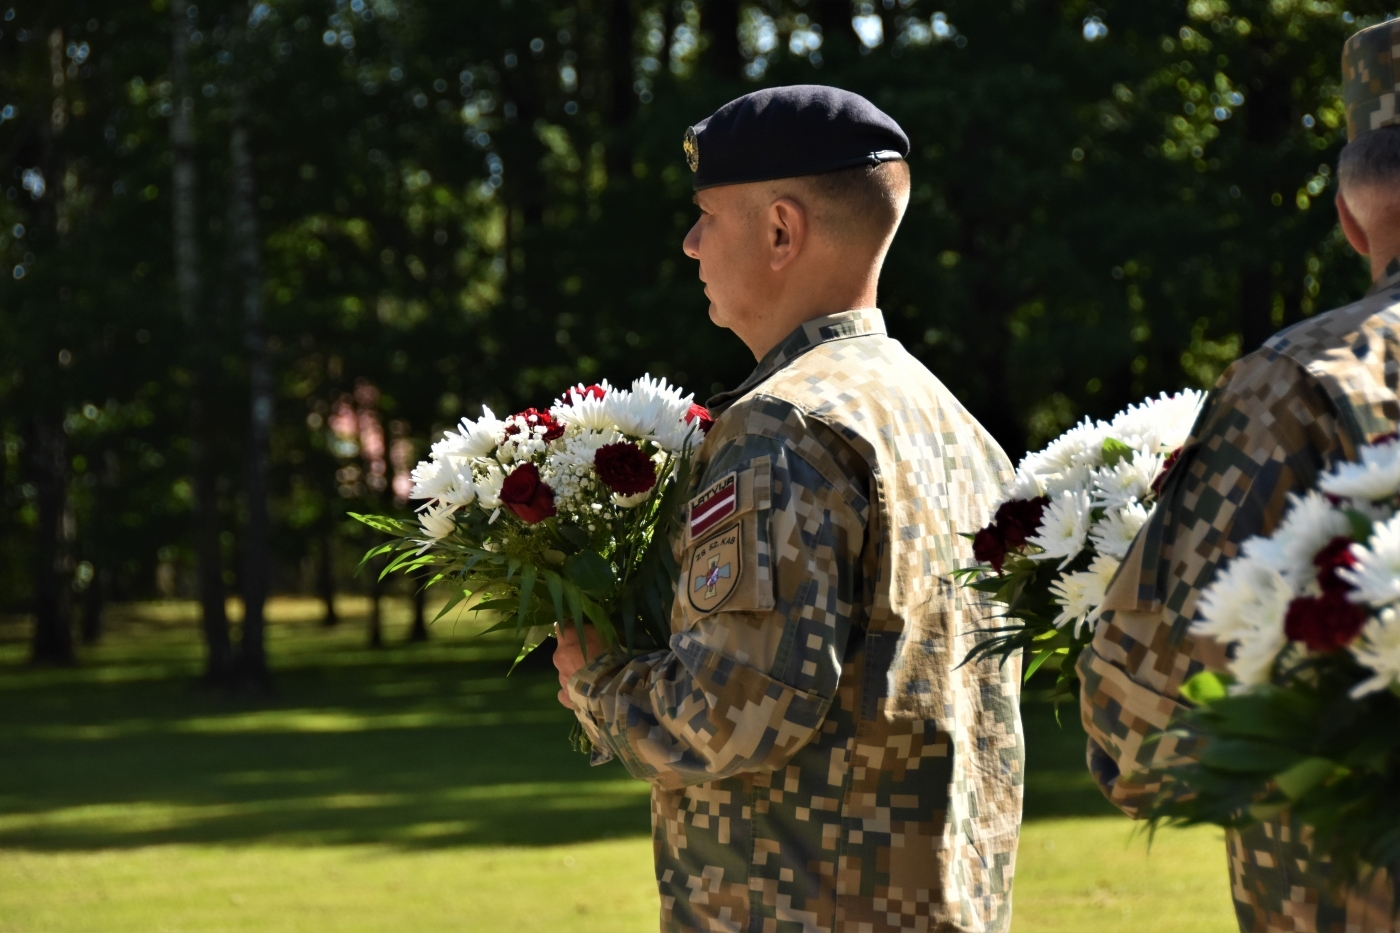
{"x":1267,"y":430}
{"x":770,"y":567}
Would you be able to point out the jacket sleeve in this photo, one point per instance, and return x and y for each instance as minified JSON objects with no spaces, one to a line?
{"x":765,"y":601}
{"x":1269,"y":430}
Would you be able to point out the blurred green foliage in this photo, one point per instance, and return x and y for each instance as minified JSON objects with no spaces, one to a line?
{"x":483,"y":202}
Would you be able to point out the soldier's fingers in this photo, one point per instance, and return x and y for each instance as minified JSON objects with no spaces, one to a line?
{"x":564,"y":699}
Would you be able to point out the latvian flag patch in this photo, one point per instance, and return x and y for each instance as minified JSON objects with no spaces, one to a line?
{"x":714,"y":505}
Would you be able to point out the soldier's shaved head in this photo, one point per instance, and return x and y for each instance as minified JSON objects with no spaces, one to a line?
{"x":1371,"y":159}
{"x":859,"y":207}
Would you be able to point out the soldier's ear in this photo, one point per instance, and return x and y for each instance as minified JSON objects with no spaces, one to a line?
{"x":1351,"y":227}
{"x":787,"y":232}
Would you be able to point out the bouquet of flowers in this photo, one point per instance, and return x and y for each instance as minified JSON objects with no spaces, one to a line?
{"x":1074,"y":509}
{"x":1305,"y":718}
{"x":557,"y":516}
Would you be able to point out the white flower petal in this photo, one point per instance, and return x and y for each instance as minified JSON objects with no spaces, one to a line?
{"x":1064,"y":527}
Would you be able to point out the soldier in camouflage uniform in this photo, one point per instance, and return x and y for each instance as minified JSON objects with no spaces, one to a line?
{"x":1280,"y":416}
{"x":819,"y":760}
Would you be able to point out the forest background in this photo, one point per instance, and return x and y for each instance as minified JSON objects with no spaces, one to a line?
{"x":256,"y":255}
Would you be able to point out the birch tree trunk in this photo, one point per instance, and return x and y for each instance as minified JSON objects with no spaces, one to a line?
{"x":247,"y":263}
{"x":218,"y":667}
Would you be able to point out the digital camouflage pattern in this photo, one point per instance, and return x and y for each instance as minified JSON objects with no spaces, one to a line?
{"x":819,"y":760}
{"x":1371,"y":77}
{"x":1279,"y":417}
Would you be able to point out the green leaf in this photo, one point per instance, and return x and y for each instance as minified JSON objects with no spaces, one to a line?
{"x":527,"y":592}
{"x":1040,"y":657}
{"x":591,"y":573}
{"x":1206,"y":687}
{"x":534,"y":637}
{"x":1248,"y":757}
{"x":1304,"y":776}
{"x":555,"y":584}
{"x":574,"y":534}
{"x":1115,"y":452}
{"x":452,"y":603}
{"x":1360,"y":525}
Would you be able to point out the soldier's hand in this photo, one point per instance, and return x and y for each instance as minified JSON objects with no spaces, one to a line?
{"x":568,"y":657}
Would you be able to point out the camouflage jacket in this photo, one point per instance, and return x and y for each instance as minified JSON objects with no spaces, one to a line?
{"x":1279,"y":417}
{"x":818,"y":760}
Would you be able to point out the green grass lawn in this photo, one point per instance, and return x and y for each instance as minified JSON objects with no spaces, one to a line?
{"x":415,"y":788}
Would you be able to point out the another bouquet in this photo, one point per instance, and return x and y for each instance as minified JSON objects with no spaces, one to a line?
{"x":557,"y":516}
{"x":1074,"y":509}
{"x":1305,"y":721}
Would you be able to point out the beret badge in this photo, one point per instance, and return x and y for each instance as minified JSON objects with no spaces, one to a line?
{"x":692,"y":149}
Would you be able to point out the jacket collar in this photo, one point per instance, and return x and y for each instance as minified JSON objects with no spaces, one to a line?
{"x":1389,"y":279}
{"x":810,"y":334}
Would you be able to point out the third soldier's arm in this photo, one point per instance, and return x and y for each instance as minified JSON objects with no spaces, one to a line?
{"x":1267,"y":431}
{"x":752,"y":669}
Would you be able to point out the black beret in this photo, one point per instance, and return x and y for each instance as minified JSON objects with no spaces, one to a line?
{"x":782,"y":132}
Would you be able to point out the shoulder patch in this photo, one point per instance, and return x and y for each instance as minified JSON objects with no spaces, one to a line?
{"x":715,"y":567}
{"x":714,"y":505}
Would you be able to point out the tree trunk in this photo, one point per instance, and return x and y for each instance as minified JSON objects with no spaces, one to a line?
{"x":622,"y":103}
{"x":94,"y":605}
{"x":247,"y":261}
{"x":719,"y":21}
{"x":53,"y":623}
{"x":325,"y":579}
{"x":419,"y":632}
{"x":218,"y":664}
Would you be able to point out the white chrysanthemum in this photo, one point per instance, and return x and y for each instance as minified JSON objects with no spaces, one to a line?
{"x":1376,"y":477}
{"x":1376,"y":575}
{"x":1078,"y":479}
{"x":437,"y":521}
{"x":1025,"y":485}
{"x":632,"y":501}
{"x":489,"y":478}
{"x":583,"y":410}
{"x":1308,"y":526}
{"x":1158,"y":425}
{"x":1080,"y":446}
{"x":461,"y":491}
{"x":1127,"y":481}
{"x":1245,"y":606}
{"x":431,"y":479}
{"x":1115,"y":533}
{"x":1082,"y":594}
{"x":1064,"y":527}
{"x":476,"y":439}
{"x":650,"y":404}
{"x":1378,"y":648}
{"x":673,"y":438}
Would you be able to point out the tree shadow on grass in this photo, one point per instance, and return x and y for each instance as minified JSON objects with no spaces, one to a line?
{"x":417,"y":748}
{"x":412,"y":748}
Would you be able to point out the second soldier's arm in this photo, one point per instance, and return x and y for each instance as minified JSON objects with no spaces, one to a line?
{"x":743,"y":686}
{"x":1268,"y":431}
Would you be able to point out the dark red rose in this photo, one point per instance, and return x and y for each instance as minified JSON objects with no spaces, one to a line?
{"x":528,"y":496}
{"x":988,"y":547}
{"x":1170,"y":462}
{"x":701,"y":414}
{"x":554,"y":428}
{"x":1019,"y":519}
{"x":1329,"y":560}
{"x":1323,"y":623}
{"x":1386,"y":438}
{"x":624,"y":469}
